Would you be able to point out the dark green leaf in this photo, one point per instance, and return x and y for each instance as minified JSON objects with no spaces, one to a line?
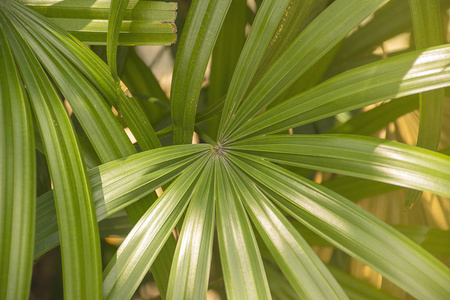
{"x":17,"y":180}
{"x":75,"y":208}
{"x":318,"y":38}
{"x":199,"y":36}
{"x":395,"y":77}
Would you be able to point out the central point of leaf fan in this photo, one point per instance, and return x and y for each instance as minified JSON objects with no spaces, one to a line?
{"x":218,"y":150}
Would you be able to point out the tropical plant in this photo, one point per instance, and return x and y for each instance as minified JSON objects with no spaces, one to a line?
{"x":242,"y":199}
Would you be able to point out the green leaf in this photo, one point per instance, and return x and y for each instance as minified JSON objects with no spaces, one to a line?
{"x":17,"y":180}
{"x":356,"y":189}
{"x":91,"y":159}
{"x":132,"y":33}
{"x":426,"y":17}
{"x":352,"y":229}
{"x":137,"y":253}
{"x":145,"y":87}
{"x":304,"y":270}
{"x":189,"y":274}
{"x":144,"y":22}
{"x":197,"y":41}
{"x":136,"y":8}
{"x":242,"y":267}
{"x":80,"y":244}
{"x":309,"y":79}
{"x":317,"y":39}
{"x":395,"y":77}
{"x":357,"y":289}
{"x":279,"y":287}
{"x":296,"y":16}
{"x":96,"y":71}
{"x":261,"y":34}
{"x":225,"y":57}
{"x":358,"y":156}
{"x":369,"y":122}
{"x":434,"y":240}
{"x":116,"y":185}
{"x":390,"y":21}
{"x":116,"y":13}
{"x":96,"y":117}
{"x":427,"y":24}
{"x":99,"y":123}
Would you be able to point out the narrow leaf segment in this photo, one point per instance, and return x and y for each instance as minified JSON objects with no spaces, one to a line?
{"x":332,"y":217}
{"x":242,"y":266}
{"x":319,"y":37}
{"x":427,"y":25}
{"x":189,"y":275}
{"x":262,"y":33}
{"x":201,"y":30}
{"x":77,"y":223}
{"x":304,"y":270}
{"x":116,"y":185}
{"x":363,"y":157}
{"x":137,"y":253}
{"x":143,"y":22}
{"x":395,"y":77}
{"x":17,"y":180}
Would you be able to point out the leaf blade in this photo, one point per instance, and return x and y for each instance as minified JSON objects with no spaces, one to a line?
{"x":144,"y":22}
{"x":116,"y":14}
{"x":17,"y":179}
{"x":358,"y":156}
{"x":136,"y":254}
{"x":89,"y":64}
{"x":197,"y":41}
{"x":319,"y":37}
{"x":395,"y":77}
{"x":117,"y":184}
{"x":427,"y":25}
{"x":79,"y":232}
{"x":189,"y":274}
{"x":242,"y":267}
{"x":372,"y":241}
{"x":263,"y":29}
{"x":301,"y":266}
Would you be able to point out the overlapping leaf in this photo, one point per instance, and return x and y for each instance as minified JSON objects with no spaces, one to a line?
{"x":351,"y":229}
{"x":116,"y":185}
{"x":144,"y":22}
{"x":136,"y":254}
{"x":17,"y":180}
{"x":396,"y":77}
{"x":242,"y":266}
{"x":189,"y":274}
{"x":315,"y":41}
{"x":357,"y":156}
{"x":263,"y":29}
{"x":91,"y":66}
{"x":76,"y":218}
{"x":200,"y":34}
{"x":301,"y":266}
